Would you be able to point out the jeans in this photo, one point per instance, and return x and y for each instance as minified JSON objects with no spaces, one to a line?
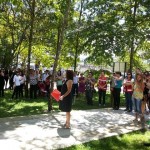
{"x":137,"y":105}
{"x":128,"y":96}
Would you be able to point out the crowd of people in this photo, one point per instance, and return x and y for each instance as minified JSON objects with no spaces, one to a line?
{"x":136,"y":87}
{"x":39,"y":83}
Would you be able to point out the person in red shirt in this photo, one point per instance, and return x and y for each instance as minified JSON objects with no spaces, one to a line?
{"x":128,"y":90}
{"x":102,"y":87}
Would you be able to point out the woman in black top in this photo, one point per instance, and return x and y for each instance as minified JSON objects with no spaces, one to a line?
{"x":65,"y":104}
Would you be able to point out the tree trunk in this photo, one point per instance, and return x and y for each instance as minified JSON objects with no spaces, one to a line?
{"x":133,"y":36}
{"x":61,"y":29}
{"x":77,"y":38}
{"x":32,"y":15}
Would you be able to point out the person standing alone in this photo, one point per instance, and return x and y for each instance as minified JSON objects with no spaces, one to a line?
{"x":65,"y":104}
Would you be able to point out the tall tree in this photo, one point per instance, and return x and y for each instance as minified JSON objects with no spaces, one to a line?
{"x":31,"y":4}
{"x":62,"y":25}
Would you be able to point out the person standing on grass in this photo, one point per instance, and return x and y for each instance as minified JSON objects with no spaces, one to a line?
{"x":33,"y":84}
{"x":81,"y":81}
{"x":75,"y":84}
{"x":138,"y":96}
{"x":6,"y":77}
{"x":148,"y":92}
{"x":16,"y":81}
{"x":12,"y":74}
{"x":102,"y":87}
{"x":112,"y":85}
{"x":128,"y":90}
{"x":89,"y":88}
{"x":2,"y":83}
{"x":59,"y":80}
{"x":22,"y":83}
{"x":47,"y":84}
{"x":117,"y":90}
{"x":65,"y":103}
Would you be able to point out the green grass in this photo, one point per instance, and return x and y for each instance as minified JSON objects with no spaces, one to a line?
{"x":136,"y":140}
{"x":24,"y":107}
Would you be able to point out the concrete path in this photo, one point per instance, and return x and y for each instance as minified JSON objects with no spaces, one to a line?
{"x":45,"y":132}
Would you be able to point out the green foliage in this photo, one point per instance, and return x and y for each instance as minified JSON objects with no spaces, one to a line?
{"x":103,"y":29}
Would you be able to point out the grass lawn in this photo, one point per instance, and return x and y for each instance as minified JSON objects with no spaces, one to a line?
{"x":137,"y":140}
{"x":23,"y":106}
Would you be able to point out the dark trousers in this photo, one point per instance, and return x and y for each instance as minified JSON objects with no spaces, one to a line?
{"x":21,"y":90}
{"x":11,"y":85}
{"x":1,"y":90}
{"x":16,"y":92}
{"x":33,"y":91}
{"x":102,"y":94}
{"x":6,"y":82}
{"x":75,"y":89}
{"x":117,"y":98}
{"x":89,"y":96}
{"x":128,"y":96}
{"x":112,"y":98}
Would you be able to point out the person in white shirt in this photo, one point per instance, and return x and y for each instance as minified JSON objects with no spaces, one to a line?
{"x":75,"y":84}
{"x":45,"y":75}
{"x":16,"y":81}
{"x":22,"y":83}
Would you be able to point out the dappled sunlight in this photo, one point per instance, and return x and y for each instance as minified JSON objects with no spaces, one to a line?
{"x":46,"y":131}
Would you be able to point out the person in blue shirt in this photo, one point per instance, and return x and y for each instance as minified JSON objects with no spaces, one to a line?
{"x":117,"y":90}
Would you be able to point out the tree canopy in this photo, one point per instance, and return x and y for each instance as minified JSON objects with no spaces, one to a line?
{"x":52,"y":30}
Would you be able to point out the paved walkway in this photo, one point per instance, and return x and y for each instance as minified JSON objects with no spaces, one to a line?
{"x":45,"y":132}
